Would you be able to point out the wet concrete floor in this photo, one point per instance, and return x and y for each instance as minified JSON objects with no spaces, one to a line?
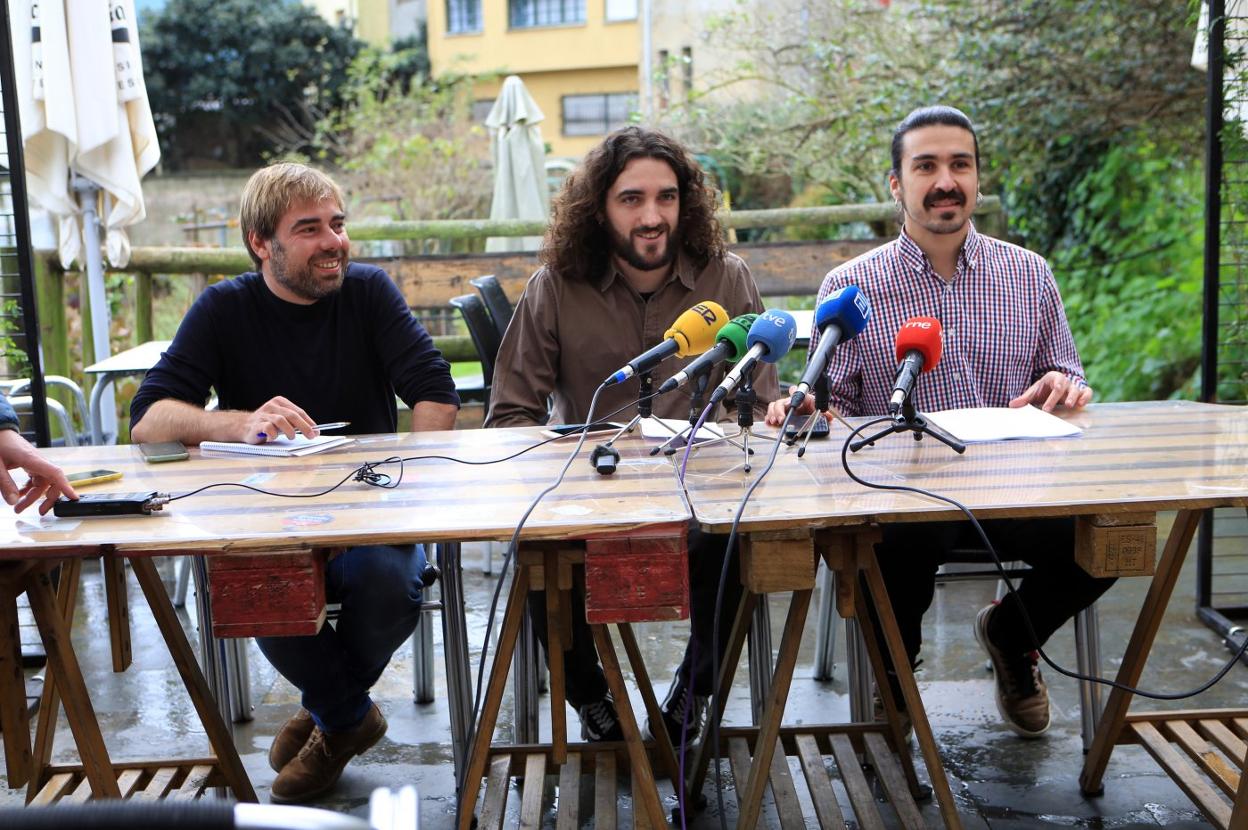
{"x":998,"y":780}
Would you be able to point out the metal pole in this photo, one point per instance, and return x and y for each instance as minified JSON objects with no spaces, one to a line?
{"x":647,"y":63}
{"x":1213,"y":218}
{"x":87,"y":192}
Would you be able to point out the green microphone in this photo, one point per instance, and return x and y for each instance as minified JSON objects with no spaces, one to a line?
{"x":730,"y":345}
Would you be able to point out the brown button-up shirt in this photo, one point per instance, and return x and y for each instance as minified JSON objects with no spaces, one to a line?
{"x":568,"y":335}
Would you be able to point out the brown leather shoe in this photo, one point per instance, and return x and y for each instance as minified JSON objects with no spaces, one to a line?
{"x":1022,"y":696}
{"x":320,"y":762}
{"x":290,"y":739}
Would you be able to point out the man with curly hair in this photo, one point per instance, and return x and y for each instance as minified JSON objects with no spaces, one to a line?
{"x":633,"y":242}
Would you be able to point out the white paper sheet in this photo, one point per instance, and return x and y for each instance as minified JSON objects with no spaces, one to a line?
{"x":651,"y":428}
{"x":990,"y":423}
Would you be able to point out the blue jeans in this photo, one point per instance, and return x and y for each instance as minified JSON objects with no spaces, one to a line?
{"x":379,"y":587}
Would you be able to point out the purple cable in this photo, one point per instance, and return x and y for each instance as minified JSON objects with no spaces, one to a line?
{"x":693,"y":433}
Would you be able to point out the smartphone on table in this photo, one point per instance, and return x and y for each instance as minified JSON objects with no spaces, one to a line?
{"x":86,"y":478}
{"x":160,"y":451}
{"x":560,"y":430}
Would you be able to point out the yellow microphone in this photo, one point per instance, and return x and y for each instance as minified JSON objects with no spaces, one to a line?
{"x":693,"y":333}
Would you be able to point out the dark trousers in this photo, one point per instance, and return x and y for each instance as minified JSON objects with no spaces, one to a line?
{"x":380,"y":588}
{"x":585,"y":682}
{"x":1055,"y":590}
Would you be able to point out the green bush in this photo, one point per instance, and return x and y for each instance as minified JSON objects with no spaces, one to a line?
{"x":1129,"y":264}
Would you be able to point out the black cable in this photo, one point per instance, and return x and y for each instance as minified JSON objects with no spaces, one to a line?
{"x":996,"y":561}
{"x":719,"y":603}
{"x":367,"y":474}
{"x":511,"y":550}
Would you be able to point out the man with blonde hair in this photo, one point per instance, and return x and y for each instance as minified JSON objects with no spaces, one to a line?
{"x":309,"y":337}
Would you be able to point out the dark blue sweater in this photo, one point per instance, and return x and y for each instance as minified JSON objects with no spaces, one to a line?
{"x":343,"y":358}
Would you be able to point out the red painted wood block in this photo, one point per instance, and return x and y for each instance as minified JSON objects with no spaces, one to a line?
{"x":277,"y":593}
{"x":636,"y":576}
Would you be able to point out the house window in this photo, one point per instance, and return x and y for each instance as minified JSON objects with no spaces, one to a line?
{"x":686,"y":60}
{"x":597,"y":114}
{"x":526,"y":14}
{"x":463,"y":16}
{"x":621,"y":10}
{"x":481,"y":110}
{"x":665,"y":78}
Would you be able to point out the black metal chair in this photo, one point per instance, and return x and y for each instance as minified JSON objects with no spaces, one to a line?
{"x":485,"y":337}
{"x":496,"y":302}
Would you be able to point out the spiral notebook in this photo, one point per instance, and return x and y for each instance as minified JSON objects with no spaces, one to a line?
{"x":280,"y":446}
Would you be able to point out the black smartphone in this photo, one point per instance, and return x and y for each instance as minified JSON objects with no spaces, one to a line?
{"x":820,"y":429}
{"x":159,"y":451}
{"x":559,"y":430}
{"x":105,"y":504}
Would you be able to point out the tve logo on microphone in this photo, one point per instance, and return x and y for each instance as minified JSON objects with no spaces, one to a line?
{"x":780,"y":321}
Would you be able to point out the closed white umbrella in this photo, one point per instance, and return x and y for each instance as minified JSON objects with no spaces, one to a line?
{"x":519,"y":164}
{"x":88,"y":131}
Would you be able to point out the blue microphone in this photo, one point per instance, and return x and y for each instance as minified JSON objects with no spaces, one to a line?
{"x":840,"y":317}
{"x":770,"y":339}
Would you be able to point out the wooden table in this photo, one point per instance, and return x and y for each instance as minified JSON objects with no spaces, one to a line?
{"x":1131,"y":461}
{"x":253,"y":540}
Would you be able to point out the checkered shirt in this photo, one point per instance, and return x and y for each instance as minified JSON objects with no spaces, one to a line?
{"x":1002,"y":316}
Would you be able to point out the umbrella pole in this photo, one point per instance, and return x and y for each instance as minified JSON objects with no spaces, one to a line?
{"x":88,"y":191}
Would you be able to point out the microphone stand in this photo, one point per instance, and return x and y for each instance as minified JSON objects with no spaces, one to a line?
{"x":909,"y":420}
{"x":696,"y":404}
{"x":645,"y":409}
{"x":823,"y":399}
{"x":744,"y":402}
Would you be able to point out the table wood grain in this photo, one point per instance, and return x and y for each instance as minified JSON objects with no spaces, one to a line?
{"x":1130,"y":457}
{"x":437,"y":500}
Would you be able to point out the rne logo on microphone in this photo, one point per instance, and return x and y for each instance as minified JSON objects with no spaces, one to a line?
{"x":917,"y":324}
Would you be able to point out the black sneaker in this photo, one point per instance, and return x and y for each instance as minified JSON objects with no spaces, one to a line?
{"x":682,"y":709}
{"x":599,"y":722}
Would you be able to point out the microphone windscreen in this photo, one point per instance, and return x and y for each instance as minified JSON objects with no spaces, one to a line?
{"x":848,"y":308}
{"x":736,"y":331}
{"x":923,"y":335}
{"x":694,"y":331}
{"x":777,"y":330}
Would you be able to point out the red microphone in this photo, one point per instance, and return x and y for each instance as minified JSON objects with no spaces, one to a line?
{"x":918,"y":345}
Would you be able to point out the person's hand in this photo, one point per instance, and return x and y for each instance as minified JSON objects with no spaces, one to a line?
{"x":1053,"y":390}
{"x":777,"y":409}
{"x":275,"y":417}
{"x":46,"y":479}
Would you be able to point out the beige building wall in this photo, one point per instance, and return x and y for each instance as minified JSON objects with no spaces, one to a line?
{"x":685,"y":56}
{"x":597,"y":56}
{"x":371,"y":17}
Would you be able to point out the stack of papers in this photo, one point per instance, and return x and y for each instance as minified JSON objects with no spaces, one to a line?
{"x":281,"y":446}
{"x":989,"y":423}
{"x":666,"y":427}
